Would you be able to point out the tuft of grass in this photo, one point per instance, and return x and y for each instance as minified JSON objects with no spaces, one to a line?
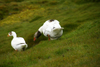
{"x":83,"y":1}
{"x":36,"y":18}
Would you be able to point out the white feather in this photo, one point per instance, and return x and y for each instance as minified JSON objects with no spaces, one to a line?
{"x":52,"y":28}
{"x":18,"y":43}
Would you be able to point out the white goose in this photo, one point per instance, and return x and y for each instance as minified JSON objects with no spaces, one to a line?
{"x":18,"y":43}
{"x":50,"y":29}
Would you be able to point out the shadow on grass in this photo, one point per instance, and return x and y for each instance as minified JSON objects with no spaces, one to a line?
{"x":69,"y":27}
{"x":32,"y":43}
{"x":36,"y":18}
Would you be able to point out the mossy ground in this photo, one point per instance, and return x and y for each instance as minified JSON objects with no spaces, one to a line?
{"x":79,"y":46}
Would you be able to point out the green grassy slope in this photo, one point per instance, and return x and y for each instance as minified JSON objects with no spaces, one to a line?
{"x":78,"y":47}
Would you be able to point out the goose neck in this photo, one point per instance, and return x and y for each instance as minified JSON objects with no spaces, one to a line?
{"x":14,"y":36}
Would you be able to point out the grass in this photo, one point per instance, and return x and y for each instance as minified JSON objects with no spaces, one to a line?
{"x":79,"y":46}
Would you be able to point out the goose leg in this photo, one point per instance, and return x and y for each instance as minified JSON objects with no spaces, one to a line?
{"x":16,"y":50}
{"x":48,"y":37}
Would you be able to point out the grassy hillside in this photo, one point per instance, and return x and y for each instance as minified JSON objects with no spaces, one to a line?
{"x":78,"y":47}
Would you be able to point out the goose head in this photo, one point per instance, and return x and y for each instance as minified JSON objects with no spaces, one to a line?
{"x":12,"y":33}
{"x":37,"y":35}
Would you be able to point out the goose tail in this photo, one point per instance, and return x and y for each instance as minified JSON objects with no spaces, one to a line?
{"x":24,"y":47}
{"x":58,"y":29}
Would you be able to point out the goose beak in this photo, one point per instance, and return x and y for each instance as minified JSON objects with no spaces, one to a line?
{"x":8,"y":35}
{"x":34,"y":38}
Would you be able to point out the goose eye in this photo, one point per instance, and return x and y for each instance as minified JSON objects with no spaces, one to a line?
{"x":10,"y":33}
